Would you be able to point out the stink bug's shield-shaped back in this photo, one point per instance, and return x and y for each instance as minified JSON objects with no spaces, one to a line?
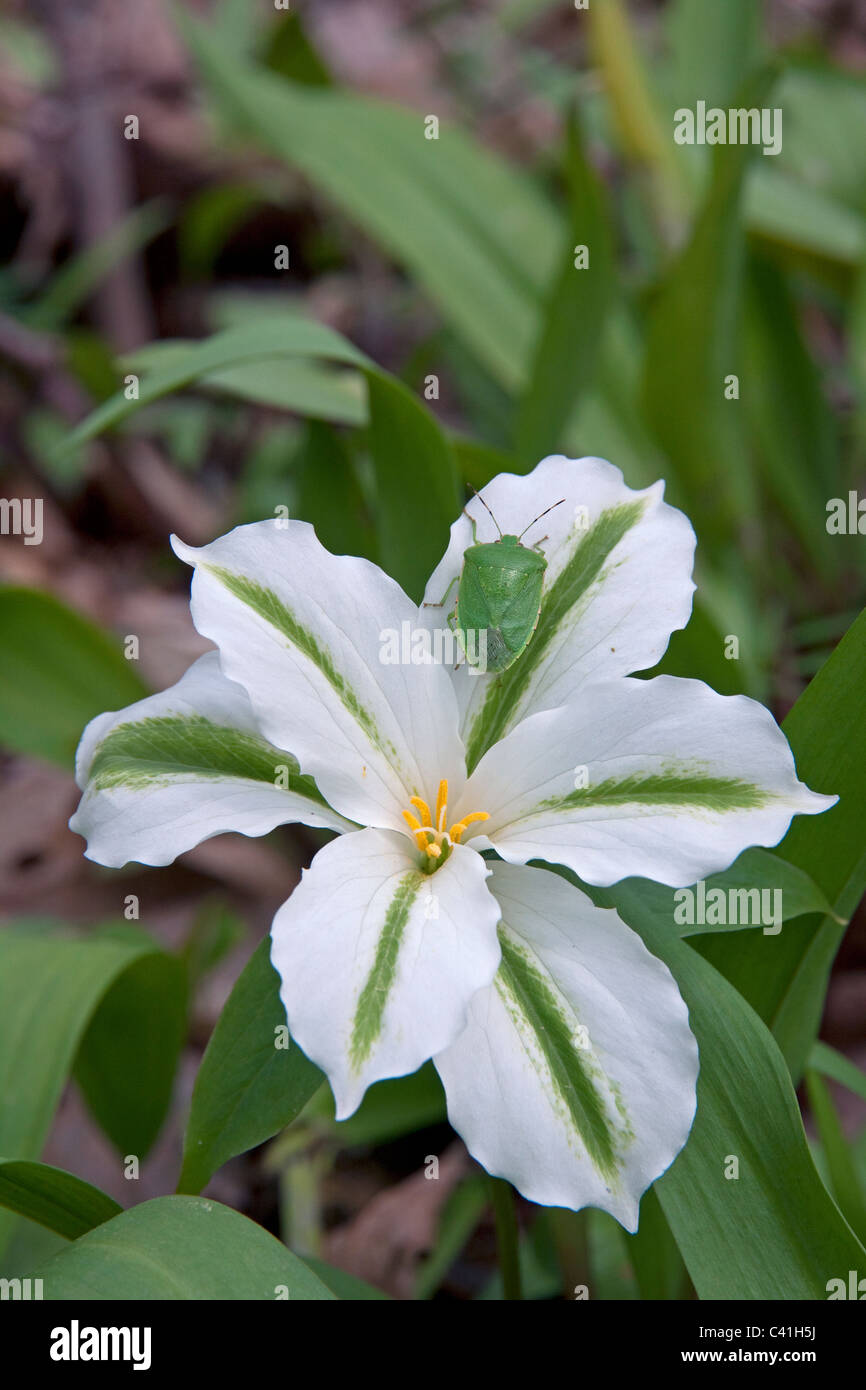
{"x":499,"y":602}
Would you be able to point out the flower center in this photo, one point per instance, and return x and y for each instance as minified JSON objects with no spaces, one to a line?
{"x":433,"y":836}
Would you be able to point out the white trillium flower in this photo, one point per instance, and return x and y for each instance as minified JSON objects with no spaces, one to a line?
{"x":563,"y":1044}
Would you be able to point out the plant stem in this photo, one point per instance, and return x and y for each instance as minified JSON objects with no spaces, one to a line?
{"x":505,"y":1215}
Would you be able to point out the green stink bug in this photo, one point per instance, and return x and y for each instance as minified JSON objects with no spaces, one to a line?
{"x":499,"y":596}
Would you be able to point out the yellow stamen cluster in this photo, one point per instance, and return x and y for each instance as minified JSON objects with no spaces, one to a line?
{"x":431,"y":835}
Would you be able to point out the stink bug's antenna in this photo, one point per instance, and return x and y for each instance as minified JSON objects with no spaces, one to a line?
{"x":490,"y":514}
{"x":538,"y":518}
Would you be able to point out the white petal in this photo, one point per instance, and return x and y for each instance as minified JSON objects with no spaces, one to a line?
{"x":178,"y":767}
{"x":575,"y":1078}
{"x":305,"y":632}
{"x":663,"y":779}
{"x":378,"y":961}
{"x":618,"y":583}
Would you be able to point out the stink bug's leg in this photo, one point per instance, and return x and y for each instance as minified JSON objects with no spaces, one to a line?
{"x":441,"y":603}
{"x":452,"y":619}
{"x":474,"y":525}
{"x":538,"y":544}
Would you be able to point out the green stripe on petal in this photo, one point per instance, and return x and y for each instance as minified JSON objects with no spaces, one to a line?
{"x":182,"y":766}
{"x":378,"y":962}
{"x":374,"y":996}
{"x":271,"y":607}
{"x":157,"y":750}
{"x":560,"y":605}
{"x":704,"y":792}
{"x":575,"y":1081}
{"x":574,"y":1077}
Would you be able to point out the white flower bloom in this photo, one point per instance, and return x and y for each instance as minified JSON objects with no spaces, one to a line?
{"x":563,"y":1045}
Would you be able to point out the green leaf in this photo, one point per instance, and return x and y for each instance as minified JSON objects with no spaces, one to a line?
{"x":177,"y":1249}
{"x":820,"y":100}
{"x":785,"y":210}
{"x":277,"y":337}
{"x":128,"y":1058}
{"x":789,"y":415}
{"x":642,"y":133}
{"x":574,"y":315}
{"x":303,"y":386}
{"x":50,"y":987}
{"x":690,"y":348}
{"x":479,"y":239}
{"x":328,"y":493}
{"x":416,"y":503}
{"x":844,"y":1181}
{"x":712,"y":47}
{"x":658,"y":1264}
{"x":756,"y":870}
{"x":611,"y":1277}
{"x":418,"y":491}
{"x":479,"y":462}
{"x":345,"y":1286}
{"x":56,"y":1199}
{"x":247,"y":1089}
{"x":58,"y":672}
{"x":773,"y":1232}
{"x":291,"y":54}
{"x":392,"y":1108}
{"x":829,"y":1062}
{"x":788,"y":986}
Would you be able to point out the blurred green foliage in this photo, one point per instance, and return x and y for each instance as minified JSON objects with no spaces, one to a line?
{"x":704,"y":268}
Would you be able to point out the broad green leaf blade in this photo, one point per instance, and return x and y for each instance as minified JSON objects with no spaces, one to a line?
{"x":128,"y":1057}
{"x":829,"y":1062}
{"x":343,"y":1285}
{"x":49,"y":989}
{"x":416,"y":500}
{"x":806,"y":220}
{"x":760,"y":890}
{"x":610,"y":1276}
{"x":789,"y":416}
{"x":773,"y":1232}
{"x":828,"y":735}
{"x":391,"y":1109}
{"x":323,"y":470}
{"x":290,"y":53}
{"x":56,"y":1199}
{"x":281,"y":336}
{"x":458,"y":218}
{"x":636,"y":110}
{"x":418,"y":491}
{"x":712,"y":47}
{"x":658,"y":1264}
{"x":58,"y":672}
{"x":479,"y":462}
{"x":178,"y":1249}
{"x":844,"y":1181}
{"x":690,"y":349}
{"x":577,"y":303}
{"x":247,"y":1088}
{"x":820,"y":99}
{"x":303,"y":386}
